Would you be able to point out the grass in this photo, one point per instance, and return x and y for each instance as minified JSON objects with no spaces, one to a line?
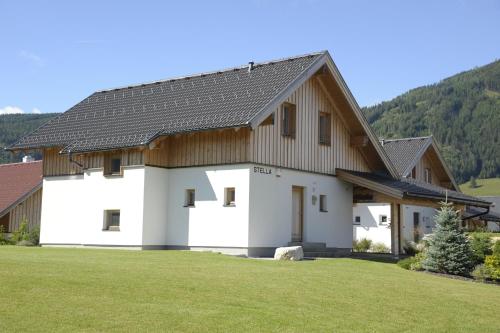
{"x":485,"y":187}
{"x":63,"y":290}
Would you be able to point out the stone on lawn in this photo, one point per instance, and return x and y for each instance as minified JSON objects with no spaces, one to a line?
{"x":289,"y":253}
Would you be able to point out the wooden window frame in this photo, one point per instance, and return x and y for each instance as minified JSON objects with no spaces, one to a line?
{"x":323,"y":203}
{"x":188,"y":200}
{"x":325,"y":138}
{"x":108,"y":215}
{"x":288,"y":120}
{"x":108,"y":164}
{"x":428,"y":175}
{"x":229,"y":199}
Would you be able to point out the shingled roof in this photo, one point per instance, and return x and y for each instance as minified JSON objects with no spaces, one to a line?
{"x":135,"y":115}
{"x":405,"y":153}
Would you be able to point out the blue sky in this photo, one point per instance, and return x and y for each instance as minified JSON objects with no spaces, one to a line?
{"x":55,"y":53}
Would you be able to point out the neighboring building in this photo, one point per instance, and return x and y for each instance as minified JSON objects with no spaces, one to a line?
{"x":415,"y":159}
{"x":20,"y":194}
{"x":241,"y":161}
{"x":490,"y":221}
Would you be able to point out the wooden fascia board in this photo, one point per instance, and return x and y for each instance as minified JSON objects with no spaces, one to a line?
{"x":374,"y":186}
{"x":285,"y":93}
{"x":360,"y":116}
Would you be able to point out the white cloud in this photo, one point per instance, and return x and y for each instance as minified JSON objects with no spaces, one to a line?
{"x":15,"y":109}
{"x":31,"y":57}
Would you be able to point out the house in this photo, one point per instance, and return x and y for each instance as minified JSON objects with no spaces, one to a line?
{"x":241,"y":160}
{"x":489,"y":221}
{"x":20,"y":194}
{"x":416,"y":159}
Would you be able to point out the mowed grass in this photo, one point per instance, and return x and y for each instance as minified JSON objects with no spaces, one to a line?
{"x":485,"y":187}
{"x":66,"y":290}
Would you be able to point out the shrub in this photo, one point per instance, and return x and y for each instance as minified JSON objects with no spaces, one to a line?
{"x":480,"y":273}
{"x":362,"y":245}
{"x":416,"y":265}
{"x":3,"y":238}
{"x":492,"y":265}
{"x":406,"y":263}
{"x":21,"y":234}
{"x":34,"y":236}
{"x":410,"y":248}
{"x":449,"y":248}
{"x":496,"y":248}
{"x":379,"y":248}
{"x":481,"y":246}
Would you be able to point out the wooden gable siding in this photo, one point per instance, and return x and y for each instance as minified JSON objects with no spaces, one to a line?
{"x":426,"y":162}
{"x":55,"y":164}
{"x":202,"y":148}
{"x":304,"y":152}
{"x":29,"y":210}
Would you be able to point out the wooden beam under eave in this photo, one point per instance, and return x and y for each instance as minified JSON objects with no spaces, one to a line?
{"x":359,"y":141}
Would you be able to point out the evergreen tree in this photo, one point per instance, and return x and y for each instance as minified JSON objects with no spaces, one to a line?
{"x":449,"y":248}
{"x":472,"y":182}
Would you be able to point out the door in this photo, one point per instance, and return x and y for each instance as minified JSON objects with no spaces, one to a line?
{"x":416,"y":226}
{"x":297,"y":213}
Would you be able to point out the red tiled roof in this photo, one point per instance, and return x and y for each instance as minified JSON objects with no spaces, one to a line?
{"x":17,"y":180}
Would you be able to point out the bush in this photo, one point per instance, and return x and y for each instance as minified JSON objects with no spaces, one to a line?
{"x":496,"y":248}
{"x":406,"y":263}
{"x":25,"y":237}
{"x":362,"y":245}
{"x":3,"y":238}
{"x":480,"y":273}
{"x":492,"y":265}
{"x":410,"y":248}
{"x":379,"y":248}
{"x":481,"y":246}
{"x":412,"y":263}
{"x":34,"y":236}
{"x":449,"y":248}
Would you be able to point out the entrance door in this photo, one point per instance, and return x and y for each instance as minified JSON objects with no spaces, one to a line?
{"x":297,"y":213}
{"x":416,"y":226}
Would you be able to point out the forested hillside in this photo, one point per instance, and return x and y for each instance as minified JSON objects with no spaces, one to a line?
{"x":463,"y":114}
{"x":13,"y":127}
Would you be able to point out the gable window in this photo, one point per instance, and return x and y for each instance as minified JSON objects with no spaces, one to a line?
{"x":357,"y":220}
{"x":111,"y":220}
{"x":288,"y":116}
{"x":112,"y":164}
{"x":189,"y":198}
{"x":414,"y":173}
{"x":382,"y":219}
{"x":322,"y":203}
{"x":428,"y":175}
{"x":229,"y":196}
{"x":324,"y":128}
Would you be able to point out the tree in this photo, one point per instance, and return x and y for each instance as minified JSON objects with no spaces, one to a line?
{"x":449,"y":248}
{"x":472,"y":182}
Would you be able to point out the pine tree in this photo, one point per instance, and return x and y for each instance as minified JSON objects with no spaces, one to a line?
{"x":449,"y":248}
{"x":472,"y":183}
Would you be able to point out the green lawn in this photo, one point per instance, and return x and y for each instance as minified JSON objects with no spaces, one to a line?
{"x":485,"y":187}
{"x":51,"y":290}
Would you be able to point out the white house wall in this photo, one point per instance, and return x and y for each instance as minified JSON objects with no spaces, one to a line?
{"x":369,"y":226}
{"x":73,"y":208}
{"x":271,"y":208}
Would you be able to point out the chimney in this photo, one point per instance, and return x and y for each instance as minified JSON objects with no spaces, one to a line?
{"x":28,"y":158}
{"x":250,"y":66}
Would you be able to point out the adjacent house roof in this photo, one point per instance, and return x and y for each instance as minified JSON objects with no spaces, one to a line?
{"x":408,"y":188}
{"x":405,"y":154}
{"x":490,"y":216}
{"x":17,"y":181}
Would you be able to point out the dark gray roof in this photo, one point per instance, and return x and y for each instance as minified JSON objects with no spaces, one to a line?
{"x":414,"y":188}
{"x":490,"y":216}
{"x":404,"y":153}
{"x":132,"y":116}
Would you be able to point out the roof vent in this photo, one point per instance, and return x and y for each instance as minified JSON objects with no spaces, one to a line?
{"x":28,"y":158}
{"x":250,"y":66}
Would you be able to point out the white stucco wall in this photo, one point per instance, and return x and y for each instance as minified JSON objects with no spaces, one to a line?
{"x":155,"y":213}
{"x":73,"y":206}
{"x":271,"y":208}
{"x":426,"y":216}
{"x":209,"y":223}
{"x":369,"y":226}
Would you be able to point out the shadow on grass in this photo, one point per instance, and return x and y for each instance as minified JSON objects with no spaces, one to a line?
{"x":385,"y":258}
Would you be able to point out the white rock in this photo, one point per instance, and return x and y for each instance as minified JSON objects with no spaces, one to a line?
{"x":289,"y":253}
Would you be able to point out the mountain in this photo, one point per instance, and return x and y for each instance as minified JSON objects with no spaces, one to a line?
{"x":14,"y":126}
{"x":461,"y":112}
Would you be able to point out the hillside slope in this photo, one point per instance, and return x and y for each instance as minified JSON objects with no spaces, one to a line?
{"x":463,"y":114}
{"x":13,"y":127}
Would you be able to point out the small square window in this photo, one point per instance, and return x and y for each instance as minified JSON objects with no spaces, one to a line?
{"x":229,"y":196}
{"x":357,"y":220}
{"x":382,"y":219}
{"x":111,"y":220}
{"x":189,"y":199}
{"x":322,"y":203}
{"x":115,"y":165}
{"x":112,"y":164}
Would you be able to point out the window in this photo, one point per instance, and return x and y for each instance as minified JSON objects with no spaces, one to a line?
{"x":428,"y":175}
{"x":322,"y":203}
{"x":111,"y":220}
{"x":229,"y":196}
{"x":189,"y":199}
{"x":382,"y":219}
{"x":357,"y":220}
{"x":414,"y":173}
{"x":288,"y":120}
{"x":269,"y":120}
{"x":324,"y":128}
{"x":112,"y":164}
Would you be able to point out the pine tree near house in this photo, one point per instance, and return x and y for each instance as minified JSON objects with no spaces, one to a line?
{"x":449,"y":248}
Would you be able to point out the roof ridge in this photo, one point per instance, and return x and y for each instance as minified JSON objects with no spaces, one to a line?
{"x":17,"y":163}
{"x":227,"y":69}
{"x":407,"y":139}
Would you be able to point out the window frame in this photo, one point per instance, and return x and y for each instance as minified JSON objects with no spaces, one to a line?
{"x":381,"y":217}
{"x":187,"y":197}
{"x":227,"y":200}
{"x":357,"y":220}
{"x":108,"y":165}
{"x":323,"y":203}
{"x":288,"y":120}
{"x":325,"y":138}
{"x":428,"y":175}
{"x":107,"y":220}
